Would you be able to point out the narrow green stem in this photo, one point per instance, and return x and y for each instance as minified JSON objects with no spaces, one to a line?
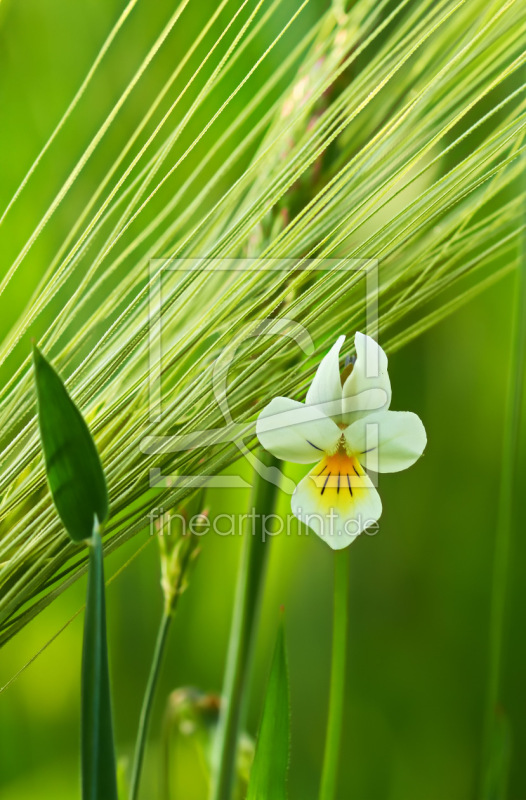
{"x":146,"y":711}
{"x":338,"y":672}
{"x":174,"y":576}
{"x":248,"y":590}
{"x":99,"y":778}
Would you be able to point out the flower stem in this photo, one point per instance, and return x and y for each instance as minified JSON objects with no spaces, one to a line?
{"x":248,"y":591}
{"x":173,"y":584}
{"x":142,"y":733}
{"x":338,"y":671}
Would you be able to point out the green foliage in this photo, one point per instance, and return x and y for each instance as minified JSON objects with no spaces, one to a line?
{"x":391,"y":131}
{"x":73,"y":467}
{"x":268,"y":777}
{"x":99,"y":780}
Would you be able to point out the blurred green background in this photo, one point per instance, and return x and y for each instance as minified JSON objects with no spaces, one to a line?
{"x":420,"y":594}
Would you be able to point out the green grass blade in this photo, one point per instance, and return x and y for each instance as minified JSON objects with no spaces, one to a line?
{"x":73,"y":466}
{"x":99,"y":781}
{"x":268,"y":778}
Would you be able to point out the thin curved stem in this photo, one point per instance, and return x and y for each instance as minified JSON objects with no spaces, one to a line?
{"x":147,"y":706}
{"x":338,"y":671}
{"x":174,"y":569}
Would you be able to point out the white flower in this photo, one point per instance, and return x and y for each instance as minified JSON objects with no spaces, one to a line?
{"x":345,"y":426}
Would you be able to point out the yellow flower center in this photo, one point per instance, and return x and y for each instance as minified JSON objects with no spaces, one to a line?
{"x":338,"y":478}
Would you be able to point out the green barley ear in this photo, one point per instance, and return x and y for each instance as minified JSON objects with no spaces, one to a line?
{"x":268,"y":777}
{"x":74,"y":471}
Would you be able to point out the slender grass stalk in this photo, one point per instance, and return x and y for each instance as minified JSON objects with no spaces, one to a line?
{"x":98,"y":761}
{"x":174,"y":578}
{"x":248,"y":590}
{"x":338,"y":672}
{"x":146,"y":710}
{"x":504,"y":533}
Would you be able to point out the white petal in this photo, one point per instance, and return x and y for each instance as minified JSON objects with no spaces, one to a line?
{"x":388,"y":441}
{"x":325,"y":390}
{"x":337,"y":500}
{"x":294,"y":432}
{"x":368,"y":387}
